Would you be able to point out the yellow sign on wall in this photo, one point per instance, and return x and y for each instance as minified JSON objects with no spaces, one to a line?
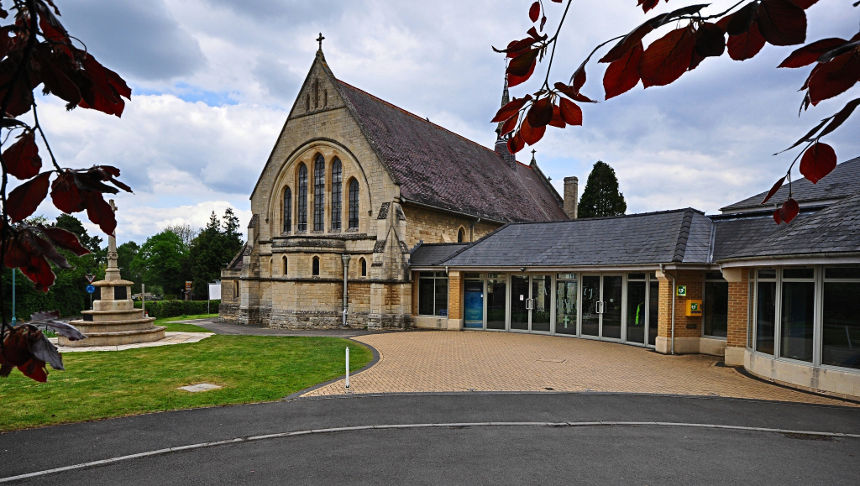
{"x":694,"y":307}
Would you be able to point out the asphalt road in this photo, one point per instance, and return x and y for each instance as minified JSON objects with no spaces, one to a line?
{"x":499,"y":438}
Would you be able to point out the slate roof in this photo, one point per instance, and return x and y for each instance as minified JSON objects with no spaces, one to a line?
{"x":842,"y":182}
{"x":832,"y":230}
{"x":439,"y":168}
{"x":679,"y":236}
{"x":434,"y":253}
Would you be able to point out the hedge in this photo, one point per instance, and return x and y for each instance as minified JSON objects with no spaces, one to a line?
{"x":173,"y":308}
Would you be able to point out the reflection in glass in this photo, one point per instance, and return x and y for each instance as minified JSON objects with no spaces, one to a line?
{"x":765,"y":315}
{"x":612,"y":306}
{"x":541,"y":303}
{"x":565,"y":307}
{"x":716,"y":312}
{"x":473,"y":304}
{"x":841,"y":332}
{"x":636,"y":312}
{"x":797,"y":314}
{"x":590,"y":299}
{"x":496,"y":304}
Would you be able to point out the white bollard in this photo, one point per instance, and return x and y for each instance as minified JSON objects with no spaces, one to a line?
{"x":347,"y":367}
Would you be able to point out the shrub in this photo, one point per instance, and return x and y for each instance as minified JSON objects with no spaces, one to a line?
{"x":173,"y":308}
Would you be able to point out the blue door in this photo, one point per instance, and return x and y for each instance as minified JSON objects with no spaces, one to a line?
{"x":473,"y":311}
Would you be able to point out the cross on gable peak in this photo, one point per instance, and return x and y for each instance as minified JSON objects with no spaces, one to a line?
{"x":320,"y":39}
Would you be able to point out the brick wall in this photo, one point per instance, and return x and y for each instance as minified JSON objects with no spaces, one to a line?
{"x":455,"y":295}
{"x":736,"y":333}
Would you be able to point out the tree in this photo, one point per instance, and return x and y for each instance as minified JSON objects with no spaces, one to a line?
{"x":748,"y":24}
{"x":125,"y":255}
{"x":163,"y":261}
{"x":35,"y":49}
{"x":184,"y":231}
{"x":601,"y":196}
{"x":211,"y":249}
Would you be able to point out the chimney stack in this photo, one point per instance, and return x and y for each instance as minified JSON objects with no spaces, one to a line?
{"x":571,"y":195}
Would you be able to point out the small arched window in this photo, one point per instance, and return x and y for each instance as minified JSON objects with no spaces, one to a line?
{"x":315,"y":266}
{"x":461,"y":235}
{"x":302,"y":201}
{"x":363,"y":264}
{"x":353,"y":204}
{"x":288,"y":210}
{"x":284,"y":265}
{"x":235,"y":290}
{"x":336,"y":193}
{"x":319,"y":192}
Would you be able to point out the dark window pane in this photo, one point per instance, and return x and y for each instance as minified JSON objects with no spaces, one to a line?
{"x":319,"y":192}
{"x":635,"y":276}
{"x":797,"y":273}
{"x":363,"y":267}
{"x":767,"y":273}
{"x":716,"y":308}
{"x":496,"y":304}
{"x":336,"y":193}
{"x":288,"y":210}
{"x":425,"y":296}
{"x":636,"y":312}
{"x":315,"y":266}
{"x":441,"y":298}
{"x":841,"y":331}
{"x":461,"y":235}
{"x":842,"y":272}
{"x":353,"y":204}
{"x":765,"y":312}
{"x":714,"y":276}
{"x":798,"y":300}
{"x":302,"y":201}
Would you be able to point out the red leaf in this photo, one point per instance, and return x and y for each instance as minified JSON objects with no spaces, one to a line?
{"x":666,"y":59}
{"x":516,"y":47}
{"x":781,"y":22}
{"x":515,"y":143}
{"x":34,"y":368}
{"x":739,"y":22}
{"x":530,"y":134}
{"x":710,"y":40}
{"x":578,"y":78}
{"x":509,"y":125}
{"x":20,"y":95}
{"x":557,"y":121}
{"x":22,"y":158}
{"x":522,"y":64}
{"x":514,"y":80}
{"x":24,"y":200}
{"x":804,"y":4}
{"x":840,"y":117}
{"x":648,"y":4}
{"x":65,"y":194}
{"x":747,"y":45}
{"x":773,"y":189}
{"x":510,"y":109}
{"x":628,"y":42}
{"x":534,"y":11}
{"x":809,"y":53}
{"x":832,"y":78}
{"x":570,"y":112}
{"x":817,"y":162}
{"x":100,"y":212}
{"x":623,"y":74}
{"x":104,"y":90}
{"x":540,"y":113}
{"x":572,"y":93}
{"x":65,"y":239}
{"x":787,"y":212}
{"x":23,"y":254}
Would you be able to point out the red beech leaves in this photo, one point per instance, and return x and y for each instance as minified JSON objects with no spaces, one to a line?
{"x":786,"y":212}
{"x":16,"y":352}
{"x":818,"y":161}
{"x":534,"y":11}
{"x":811,"y":52}
{"x":781,"y":22}
{"x":773,"y":189}
{"x":530,"y":134}
{"x":540,"y":114}
{"x":746,"y":45}
{"x":570,"y":112}
{"x":832,"y":78}
{"x":666,"y":59}
{"x":24,"y":200}
{"x":623,"y":73}
{"x":510,"y":109}
{"x":22,"y":158}
{"x":65,"y":239}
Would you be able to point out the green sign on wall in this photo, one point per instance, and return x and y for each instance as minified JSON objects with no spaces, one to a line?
{"x":682,"y":291}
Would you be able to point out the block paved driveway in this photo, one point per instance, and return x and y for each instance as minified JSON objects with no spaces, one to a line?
{"x":446,"y":361}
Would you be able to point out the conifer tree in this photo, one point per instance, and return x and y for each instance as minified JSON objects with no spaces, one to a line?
{"x":601,"y":196}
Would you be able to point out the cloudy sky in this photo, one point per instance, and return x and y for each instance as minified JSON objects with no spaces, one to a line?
{"x":213,"y":81}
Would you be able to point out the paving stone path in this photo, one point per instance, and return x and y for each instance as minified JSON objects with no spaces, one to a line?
{"x":440,"y":361}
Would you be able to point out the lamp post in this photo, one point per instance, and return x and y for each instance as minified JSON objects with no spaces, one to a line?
{"x":345,"y":259}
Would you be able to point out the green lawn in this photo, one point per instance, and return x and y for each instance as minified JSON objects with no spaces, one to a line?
{"x":172,"y":326}
{"x":107,"y":384}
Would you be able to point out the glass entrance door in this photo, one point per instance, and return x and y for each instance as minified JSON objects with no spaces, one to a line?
{"x":473,"y":310}
{"x":540,"y":308}
{"x":565,"y":304}
{"x":520,"y":302}
{"x":591,"y":305}
{"x":601,"y":306}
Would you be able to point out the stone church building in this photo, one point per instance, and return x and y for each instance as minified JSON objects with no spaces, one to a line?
{"x":352,"y":186}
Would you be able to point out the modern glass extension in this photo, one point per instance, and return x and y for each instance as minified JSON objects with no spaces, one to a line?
{"x":620,"y":307}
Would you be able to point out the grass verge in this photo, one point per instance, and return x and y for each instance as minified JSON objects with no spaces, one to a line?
{"x":172,"y":326}
{"x":104,"y":384}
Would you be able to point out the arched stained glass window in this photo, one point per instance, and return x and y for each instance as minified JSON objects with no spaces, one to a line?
{"x":288,"y":210}
{"x":302,"y":202}
{"x":363,"y":263}
{"x":319,"y":192}
{"x":315,"y":266}
{"x":353,"y":204}
{"x":336,"y":193}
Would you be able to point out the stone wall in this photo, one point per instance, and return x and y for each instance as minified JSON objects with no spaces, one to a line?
{"x":431,"y":226}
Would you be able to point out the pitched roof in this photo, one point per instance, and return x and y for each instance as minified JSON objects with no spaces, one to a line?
{"x":835,"y":229}
{"x":679,"y":236}
{"x":842,"y":182}
{"x":434,"y":253}
{"x":437,"y":167}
